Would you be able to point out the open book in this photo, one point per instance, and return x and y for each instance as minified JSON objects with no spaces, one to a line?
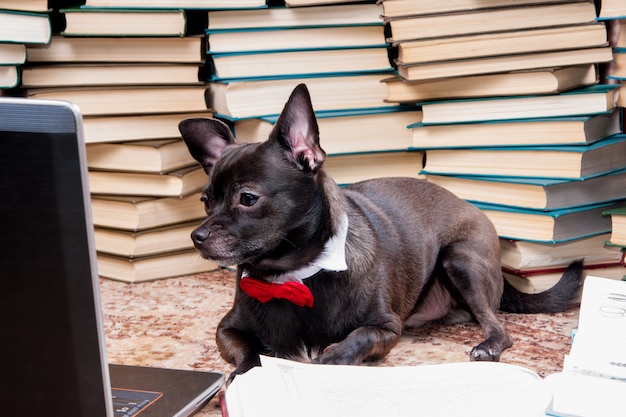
{"x":593,"y":381}
{"x":481,"y":389}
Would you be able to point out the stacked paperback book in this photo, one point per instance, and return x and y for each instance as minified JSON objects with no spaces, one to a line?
{"x":21,"y":24}
{"x":258,"y":56}
{"x":543,"y":165}
{"x":133,"y":84}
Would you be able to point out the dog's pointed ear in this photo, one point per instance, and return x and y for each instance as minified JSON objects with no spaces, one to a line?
{"x":206,"y":139}
{"x":297,"y":131}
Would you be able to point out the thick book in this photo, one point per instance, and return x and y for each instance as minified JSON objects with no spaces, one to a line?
{"x":181,"y":182}
{"x":492,"y":20}
{"x":448,"y":389}
{"x":12,"y":53}
{"x":583,"y":101}
{"x":98,"y":129}
{"x":187,"y":49}
{"x":579,"y":130}
{"x":540,"y":281}
{"x":502,"y":43}
{"x":286,"y":17}
{"x":150,"y":268}
{"x":302,"y":3}
{"x":346,"y":132}
{"x":404,"y":8}
{"x":504,"y":63}
{"x":330,"y":37}
{"x":611,"y":9}
{"x":141,"y":213}
{"x":24,"y":27}
{"x":535,"y":193}
{"x":102,"y":101}
{"x":114,"y":74}
{"x":548,"y":226}
{"x":594,"y":371}
{"x":159,"y":155}
{"x":524,"y":257}
{"x":9,"y":76}
{"x":515,"y":83}
{"x":177,"y":4}
{"x":174,"y":238}
{"x":351,"y":168}
{"x":132,"y":22}
{"x":618,"y":225}
{"x":37,"y":6}
{"x":244,"y":99}
{"x":299,"y":63}
{"x":554,"y":162}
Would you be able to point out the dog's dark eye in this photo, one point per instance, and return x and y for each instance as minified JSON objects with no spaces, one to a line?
{"x":248,"y":199}
{"x":205,"y":201}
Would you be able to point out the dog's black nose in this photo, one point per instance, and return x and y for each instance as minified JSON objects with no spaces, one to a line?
{"x":200,"y":235}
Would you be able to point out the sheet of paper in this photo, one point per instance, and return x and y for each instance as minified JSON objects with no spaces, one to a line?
{"x":600,"y":343}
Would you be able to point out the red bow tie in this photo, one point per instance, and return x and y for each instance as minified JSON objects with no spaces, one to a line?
{"x":293,"y":291}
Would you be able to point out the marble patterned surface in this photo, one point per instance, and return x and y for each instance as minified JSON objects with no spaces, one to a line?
{"x":172,"y":322}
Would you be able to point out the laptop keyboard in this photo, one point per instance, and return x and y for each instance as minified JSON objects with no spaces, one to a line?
{"x":127,"y":403}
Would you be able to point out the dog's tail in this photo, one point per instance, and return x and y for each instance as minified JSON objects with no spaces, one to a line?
{"x":563,"y":295}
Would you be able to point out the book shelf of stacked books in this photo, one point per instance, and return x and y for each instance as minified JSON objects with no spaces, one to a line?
{"x":518,"y":123}
{"x":501,"y":102}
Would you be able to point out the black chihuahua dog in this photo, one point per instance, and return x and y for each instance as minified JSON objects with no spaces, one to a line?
{"x":335,"y":274}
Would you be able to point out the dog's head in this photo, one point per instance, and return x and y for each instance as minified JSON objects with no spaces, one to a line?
{"x":263,"y":199}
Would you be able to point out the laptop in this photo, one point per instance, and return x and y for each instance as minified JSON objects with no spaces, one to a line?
{"x":52,"y":345}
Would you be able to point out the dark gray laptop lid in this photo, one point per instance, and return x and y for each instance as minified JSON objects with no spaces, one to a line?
{"x":53,"y":350}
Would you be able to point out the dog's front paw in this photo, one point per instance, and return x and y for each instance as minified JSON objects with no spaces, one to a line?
{"x":486,"y":351}
{"x":336,"y":354}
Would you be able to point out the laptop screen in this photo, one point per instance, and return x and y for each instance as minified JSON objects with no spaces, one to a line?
{"x":49,"y":322}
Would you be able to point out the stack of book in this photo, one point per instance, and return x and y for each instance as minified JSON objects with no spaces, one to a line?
{"x":340,"y":52}
{"x":21,"y":23}
{"x":542,"y":165}
{"x":492,"y":48}
{"x":134,"y":74}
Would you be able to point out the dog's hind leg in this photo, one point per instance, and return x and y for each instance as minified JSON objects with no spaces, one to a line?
{"x":477,"y":281}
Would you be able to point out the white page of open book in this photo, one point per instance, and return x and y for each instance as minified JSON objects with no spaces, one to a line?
{"x":480,"y":389}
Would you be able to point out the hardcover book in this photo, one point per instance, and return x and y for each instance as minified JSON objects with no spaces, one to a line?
{"x":330,"y":37}
{"x":580,"y":130}
{"x":188,"y":49}
{"x":160,"y":155}
{"x":181,"y":182}
{"x":502,"y":43}
{"x":535,"y":193}
{"x":548,"y":226}
{"x":583,"y":101}
{"x":240,"y":99}
{"x":492,"y":20}
{"x":299,"y":63}
{"x":141,"y":213}
{"x":103,"y":101}
{"x":132,"y":22}
{"x":150,"y":268}
{"x":555,"y":162}
{"x":504,"y":63}
{"x":516,"y":83}
{"x":24,"y":27}
{"x":289,"y":17}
